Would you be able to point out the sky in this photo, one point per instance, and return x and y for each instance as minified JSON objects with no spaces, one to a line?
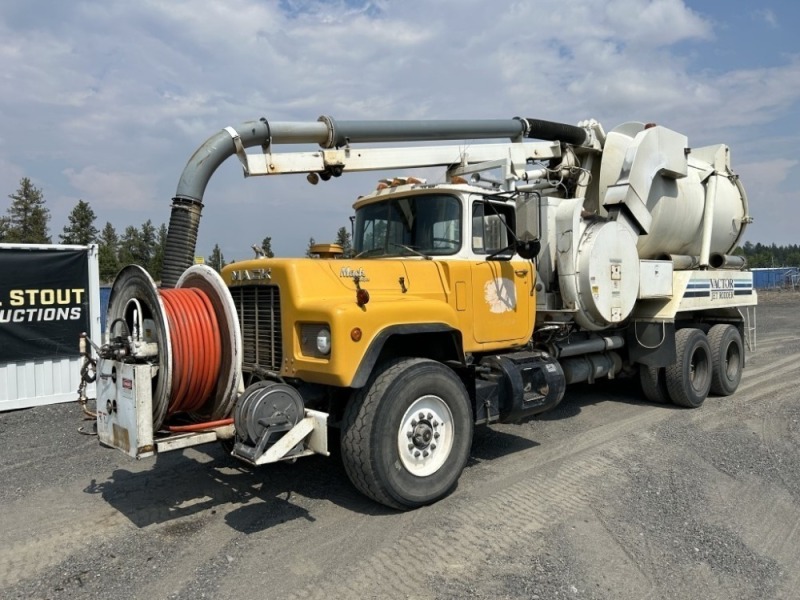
{"x":105,"y":101}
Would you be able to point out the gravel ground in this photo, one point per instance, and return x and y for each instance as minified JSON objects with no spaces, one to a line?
{"x":608,"y":497}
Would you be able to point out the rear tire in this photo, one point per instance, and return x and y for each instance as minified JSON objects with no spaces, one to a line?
{"x":689,"y":378}
{"x":406,"y":435}
{"x":727,"y":359}
{"x":654,"y":384}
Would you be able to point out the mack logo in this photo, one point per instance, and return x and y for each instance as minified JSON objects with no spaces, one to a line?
{"x":251,"y":274}
{"x":350,"y":272}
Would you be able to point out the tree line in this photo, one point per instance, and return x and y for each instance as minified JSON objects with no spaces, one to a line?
{"x":27,"y":221}
{"x":761,"y":255}
{"x":343,"y":239}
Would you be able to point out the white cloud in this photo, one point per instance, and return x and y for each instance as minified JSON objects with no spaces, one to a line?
{"x":10,"y":176}
{"x":132,"y":192}
{"x":656,"y":23}
{"x":110,"y":99}
{"x":773,"y":171}
{"x":771,"y":192}
{"x":767,"y":16}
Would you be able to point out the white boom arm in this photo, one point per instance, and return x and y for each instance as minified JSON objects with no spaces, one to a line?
{"x":512,"y":157}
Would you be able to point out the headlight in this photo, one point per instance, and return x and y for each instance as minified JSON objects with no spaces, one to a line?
{"x":315,"y":339}
{"x":324,"y":341}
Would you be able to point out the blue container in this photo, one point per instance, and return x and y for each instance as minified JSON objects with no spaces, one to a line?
{"x":105,"y":292}
{"x":773,"y":277}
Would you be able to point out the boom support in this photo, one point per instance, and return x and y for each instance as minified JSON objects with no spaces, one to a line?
{"x":328,"y":133}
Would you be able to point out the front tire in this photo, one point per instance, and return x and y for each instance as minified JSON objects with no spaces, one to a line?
{"x":689,"y":378}
{"x":406,"y":435}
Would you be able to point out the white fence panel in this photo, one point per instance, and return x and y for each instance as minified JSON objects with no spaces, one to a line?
{"x":40,"y":382}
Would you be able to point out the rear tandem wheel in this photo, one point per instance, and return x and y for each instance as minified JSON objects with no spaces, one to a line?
{"x":654,"y":384}
{"x":689,"y":377}
{"x":727,"y":359}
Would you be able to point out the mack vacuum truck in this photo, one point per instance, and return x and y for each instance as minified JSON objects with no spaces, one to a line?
{"x":543,"y":255}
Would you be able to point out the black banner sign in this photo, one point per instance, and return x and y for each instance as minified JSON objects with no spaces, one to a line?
{"x":44,"y":303}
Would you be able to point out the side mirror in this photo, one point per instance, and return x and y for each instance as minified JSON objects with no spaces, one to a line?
{"x":528,"y":249}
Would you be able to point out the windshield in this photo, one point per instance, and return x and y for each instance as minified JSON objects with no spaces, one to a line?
{"x":426,"y":224}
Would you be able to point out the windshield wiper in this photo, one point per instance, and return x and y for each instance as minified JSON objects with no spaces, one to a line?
{"x":412,"y":250}
{"x":368,"y":252}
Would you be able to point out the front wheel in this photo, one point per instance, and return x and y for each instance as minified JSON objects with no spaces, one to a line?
{"x":406,"y":435}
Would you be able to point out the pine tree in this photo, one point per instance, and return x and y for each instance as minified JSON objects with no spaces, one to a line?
{"x":147,"y":249}
{"x":216,"y":261}
{"x":108,"y":247}
{"x":157,"y":262}
{"x":27,"y":216}
{"x":80,"y":229}
{"x":130,"y":247}
{"x":4,"y":225}
{"x":761,"y":255}
{"x":266,"y":246}
{"x":311,"y":243}
{"x":343,"y":239}
{"x":138,"y":246}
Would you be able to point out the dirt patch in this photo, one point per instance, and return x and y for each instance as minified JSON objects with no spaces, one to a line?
{"x":607,"y":497}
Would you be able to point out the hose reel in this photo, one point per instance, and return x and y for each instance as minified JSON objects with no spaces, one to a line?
{"x":190,"y":333}
{"x":263,"y":412}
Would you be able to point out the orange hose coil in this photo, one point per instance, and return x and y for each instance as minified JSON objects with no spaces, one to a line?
{"x":205,"y":426}
{"x":196,"y":348}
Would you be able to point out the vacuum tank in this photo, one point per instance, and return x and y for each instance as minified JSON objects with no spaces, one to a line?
{"x":700,"y":202}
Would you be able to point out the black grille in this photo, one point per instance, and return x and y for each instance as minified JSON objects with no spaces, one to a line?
{"x":259,"y":309}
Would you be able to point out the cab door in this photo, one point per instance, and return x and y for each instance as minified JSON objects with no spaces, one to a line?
{"x":502,"y":289}
{"x":501,"y":301}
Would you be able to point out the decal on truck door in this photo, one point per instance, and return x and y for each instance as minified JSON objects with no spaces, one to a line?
{"x":501,"y":301}
{"x":500,"y":295}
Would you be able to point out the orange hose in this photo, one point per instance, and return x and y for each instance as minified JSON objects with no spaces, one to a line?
{"x":180,"y":381}
{"x":196,"y":349}
{"x":200,"y":426}
{"x":211,"y":343}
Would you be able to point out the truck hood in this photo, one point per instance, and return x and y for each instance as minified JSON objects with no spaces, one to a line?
{"x":377,"y":275}
{"x":321,"y":277}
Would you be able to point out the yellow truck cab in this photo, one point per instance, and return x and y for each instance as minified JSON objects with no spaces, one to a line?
{"x":433,"y":266}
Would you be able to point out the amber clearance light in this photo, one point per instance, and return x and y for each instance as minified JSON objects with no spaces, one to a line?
{"x":362,"y":296}
{"x":355,"y":334}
